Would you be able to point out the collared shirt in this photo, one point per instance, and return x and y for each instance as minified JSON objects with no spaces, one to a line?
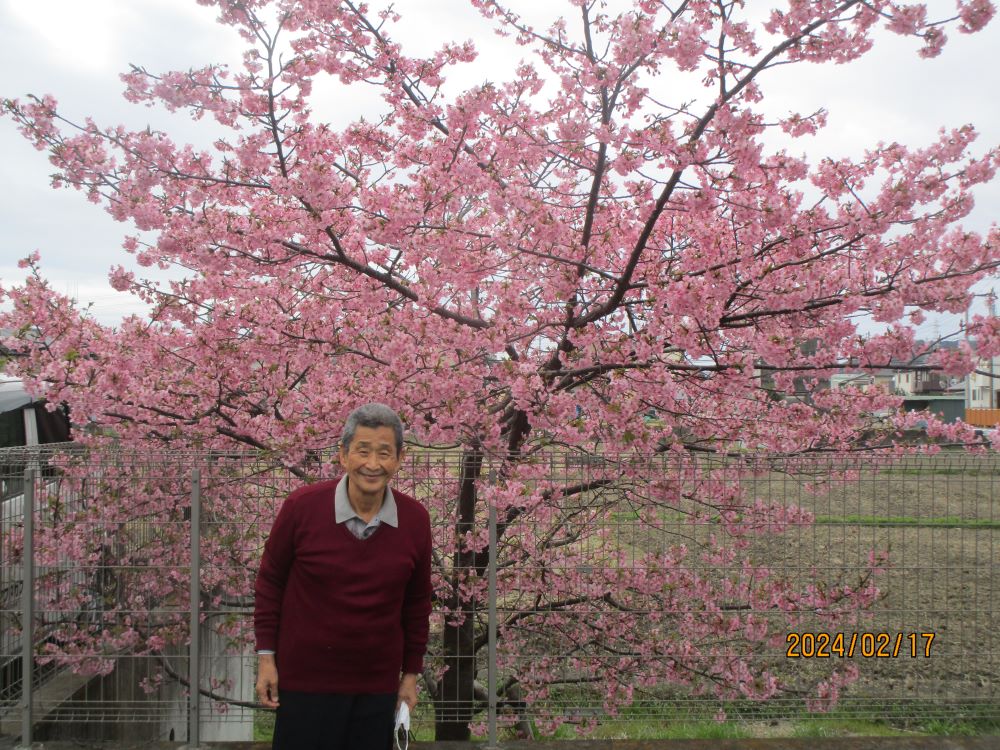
{"x":344,"y":513}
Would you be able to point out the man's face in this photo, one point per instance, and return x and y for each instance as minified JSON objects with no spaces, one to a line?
{"x":371,"y":459}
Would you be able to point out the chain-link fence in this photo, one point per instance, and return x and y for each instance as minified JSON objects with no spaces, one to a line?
{"x":623,"y":591}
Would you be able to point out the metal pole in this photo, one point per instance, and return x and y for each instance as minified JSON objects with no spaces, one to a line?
{"x":994,"y":403}
{"x":491,"y":737}
{"x":194,"y":698}
{"x":968,"y":378}
{"x":28,"y":607}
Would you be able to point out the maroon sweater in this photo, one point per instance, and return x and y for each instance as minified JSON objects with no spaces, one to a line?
{"x":343,"y":615}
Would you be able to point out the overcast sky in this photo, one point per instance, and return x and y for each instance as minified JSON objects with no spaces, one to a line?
{"x":75,"y":49}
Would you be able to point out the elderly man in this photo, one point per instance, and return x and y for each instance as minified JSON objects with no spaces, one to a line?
{"x":343,"y":597}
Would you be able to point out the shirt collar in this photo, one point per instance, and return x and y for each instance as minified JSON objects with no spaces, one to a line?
{"x":343,"y":510}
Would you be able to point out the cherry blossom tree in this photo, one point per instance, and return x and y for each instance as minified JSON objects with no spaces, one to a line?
{"x":529,"y":267}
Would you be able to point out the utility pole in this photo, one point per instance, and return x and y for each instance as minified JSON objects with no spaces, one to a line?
{"x":994,"y":393}
{"x":968,"y":378}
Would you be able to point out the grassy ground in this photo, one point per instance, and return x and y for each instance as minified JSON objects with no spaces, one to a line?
{"x":263,"y":726}
{"x":950,"y":522}
{"x":898,"y":720}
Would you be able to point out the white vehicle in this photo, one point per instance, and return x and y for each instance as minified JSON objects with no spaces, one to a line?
{"x":25,"y":421}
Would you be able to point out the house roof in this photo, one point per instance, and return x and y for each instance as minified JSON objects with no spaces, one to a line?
{"x":12,"y":395}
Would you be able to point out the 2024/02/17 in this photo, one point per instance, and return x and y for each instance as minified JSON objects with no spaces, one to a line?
{"x":848,"y":645}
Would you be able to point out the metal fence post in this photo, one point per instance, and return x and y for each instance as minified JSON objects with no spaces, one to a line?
{"x":491,"y":737}
{"x":28,"y":607}
{"x":194,"y":698}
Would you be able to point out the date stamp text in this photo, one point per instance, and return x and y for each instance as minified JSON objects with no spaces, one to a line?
{"x":807,"y":645}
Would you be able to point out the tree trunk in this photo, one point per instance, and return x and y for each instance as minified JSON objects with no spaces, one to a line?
{"x":455,"y":700}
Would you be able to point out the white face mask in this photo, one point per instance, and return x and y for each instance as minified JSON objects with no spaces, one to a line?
{"x":403,"y":723}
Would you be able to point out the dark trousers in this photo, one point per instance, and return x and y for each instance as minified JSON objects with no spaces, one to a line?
{"x":334,"y":721}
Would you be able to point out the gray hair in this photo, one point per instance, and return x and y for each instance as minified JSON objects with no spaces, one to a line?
{"x":372,"y":415}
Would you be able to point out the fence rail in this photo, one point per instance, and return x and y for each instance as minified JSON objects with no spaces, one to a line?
{"x":983,"y":417}
{"x":573,"y":590}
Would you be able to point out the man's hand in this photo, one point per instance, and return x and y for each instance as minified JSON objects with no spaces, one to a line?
{"x":407,"y":691}
{"x":267,"y":681}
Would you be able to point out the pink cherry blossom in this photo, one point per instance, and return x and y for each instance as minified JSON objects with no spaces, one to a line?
{"x":559,"y":264}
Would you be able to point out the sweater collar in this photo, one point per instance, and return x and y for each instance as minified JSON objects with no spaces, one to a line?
{"x":343,"y":511}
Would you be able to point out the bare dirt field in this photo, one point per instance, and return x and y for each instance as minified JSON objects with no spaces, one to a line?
{"x":929,"y":648}
{"x":938,"y":518}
